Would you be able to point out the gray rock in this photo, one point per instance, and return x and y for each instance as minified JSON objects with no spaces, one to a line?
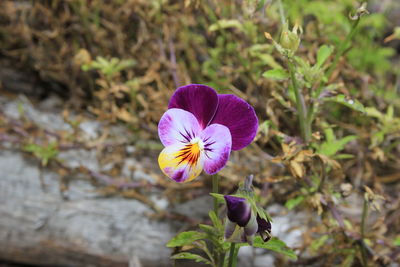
{"x":113,"y":230}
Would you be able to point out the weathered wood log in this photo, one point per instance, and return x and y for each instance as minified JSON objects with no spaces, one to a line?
{"x":38,"y":227}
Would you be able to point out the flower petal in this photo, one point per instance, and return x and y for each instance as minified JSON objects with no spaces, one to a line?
{"x":198,"y":99}
{"x":239,"y":117}
{"x":229,"y":229}
{"x":181,"y":162}
{"x":251,"y":229}
{"x":264,"y":228}
{"x":239,"y":210}
{"x":217,"y":147}
{"x":177,"y":126}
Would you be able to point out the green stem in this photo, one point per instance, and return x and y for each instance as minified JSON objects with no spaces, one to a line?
{"x":342,"y":48}
{"x":305,"y":127}
{"x":281,"y":12}
{"x":363,"y":218}
{"x":215,"y":190}
{"x":232,"y":258}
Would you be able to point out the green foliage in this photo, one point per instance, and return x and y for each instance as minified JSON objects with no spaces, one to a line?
{"x":190,"y":256}
{"x":317,"y":243}
{"x":110,"y":67}
{"x":185,"y":238}
{"x":276,"y":74}
{"x":275,"y":245}
{"x":323,"y":54}
{"x":294,"y":202}
{"x":388,"y":123}
{"x":43,"y":152}
{"x":331,"y":146}
{"x":350,"y":103}
{"x":397,"y":241}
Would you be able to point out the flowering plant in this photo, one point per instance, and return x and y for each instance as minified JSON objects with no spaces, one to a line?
{"x":200,"y":129}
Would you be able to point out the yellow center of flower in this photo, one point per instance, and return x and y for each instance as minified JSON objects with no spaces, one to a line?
{"x":190,"y":153}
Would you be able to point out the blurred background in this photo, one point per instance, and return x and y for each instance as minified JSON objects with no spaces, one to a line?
{"x":83,"y":84}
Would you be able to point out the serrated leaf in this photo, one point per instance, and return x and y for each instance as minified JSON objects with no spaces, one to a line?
{"x":294,"y":202}
{"x":185,"y":238}
{"x":215,"y":220}
{"x":323,"y":53}
{"x":276,"y":74}
{"x":190,"y":256}
{"x":276,"y":245}
{"x":207,"y":228}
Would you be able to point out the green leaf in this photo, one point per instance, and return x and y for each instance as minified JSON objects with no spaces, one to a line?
{"x":207,"y":228}
{"x":219,"y":197}
{"x":323,"y":53}
{"x":44,"y":153}
{"x":185,"y":238}
{"x":276,"y":74}
{"x":332,"y":146}
{"x":350,"y":103}
{"x":276,"y":245}
{"x":397,"y":241}
{"x":317,"y":243}
{"x":215,"y":220}
{"x":226,"y":23}
{"x":190,"y":256}
{"x":294,"y":202}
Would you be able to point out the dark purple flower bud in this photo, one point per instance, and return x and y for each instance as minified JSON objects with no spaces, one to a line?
{"x":239,"y":211}
{"x":264,"y":228}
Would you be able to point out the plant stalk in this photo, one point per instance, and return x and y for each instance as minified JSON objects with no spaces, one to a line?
{"x":305,"y":127}
{"x":232,"y":258}
{"x":215,"y":190}
{"x":342,"y":48}
{"x":363,"y":218}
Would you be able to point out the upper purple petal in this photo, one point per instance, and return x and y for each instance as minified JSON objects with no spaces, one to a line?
{"x":198,"y":99}
{"x":239,"y":210}
{"x":239,"y":117}
{"x":177,"y":126}
{"x":217,"y":147}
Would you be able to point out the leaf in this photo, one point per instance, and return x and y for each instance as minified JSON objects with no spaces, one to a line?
{"x":294,"y":202}
{"x":190,"y":256}
{"x":44,"y":153}
{"x":331,"y":147}
{"x":276,"y":245}
{"x":397,"y":241}
{"x":207,"y":228}
{"x":276,"y":74}
{"x":260,"y":5}
{"x":350,"y":103}
{"x":185,"y":238}
{"x":215,"y":220}
{"x":317,"y":243}
{"x":226,"y":23}
{"x":219,"y":197}
{"x":322,"y":55}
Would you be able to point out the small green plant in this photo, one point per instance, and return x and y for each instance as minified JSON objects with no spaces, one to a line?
{"x":44,"y":153}
{"x":109,"y":68}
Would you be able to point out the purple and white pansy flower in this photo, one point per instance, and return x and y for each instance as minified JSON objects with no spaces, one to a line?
{"x":200,"y":129}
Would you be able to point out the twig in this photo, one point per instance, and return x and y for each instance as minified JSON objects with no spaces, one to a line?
{"x":300,"y":104}
{"x":174,"y":67}
{"x":362,"y":247}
